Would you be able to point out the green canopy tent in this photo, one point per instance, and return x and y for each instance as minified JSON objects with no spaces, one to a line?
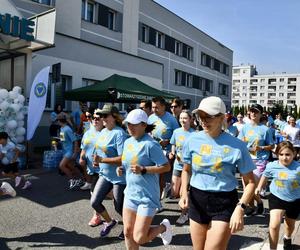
{"x":116,"y":88}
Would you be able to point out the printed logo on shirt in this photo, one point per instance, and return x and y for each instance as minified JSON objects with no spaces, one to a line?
{"x":205,"y":149}
{"x":134,"y":160}
{"x":283,"y":175}
{"x":217,"y":167}
{"x":295,"y":184}
{"x":226,"y":150}
{"x":279,"y":183}
{"x":197,"y":160}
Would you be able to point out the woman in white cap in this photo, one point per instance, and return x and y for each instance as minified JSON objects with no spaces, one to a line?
{"x":142,"y":160}
{"x":211,"y":157}
{"x":109,"y":148}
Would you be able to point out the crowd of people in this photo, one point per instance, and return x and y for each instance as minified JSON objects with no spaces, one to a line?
{"x":163,"y":150}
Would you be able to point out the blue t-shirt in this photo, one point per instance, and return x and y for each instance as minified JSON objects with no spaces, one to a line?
{"x":67,"y":137}
{"x":88,"y":144}
{"x":144,"y":152}
{"x":285,"y":180}
{"x":214,"y":161}
{"x":178,"y":138}
{"x":232,"y":130}
{"x":257,"y":135}
{"x":110,"y":144}
{"x":164,"y":127}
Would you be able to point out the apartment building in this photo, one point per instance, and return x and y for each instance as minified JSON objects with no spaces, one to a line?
{"x":248,"y":87}
{"x":136,"y":38}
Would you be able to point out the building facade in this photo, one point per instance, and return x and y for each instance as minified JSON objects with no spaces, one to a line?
{"x":248,"y":87}
{"x":136,"y":38}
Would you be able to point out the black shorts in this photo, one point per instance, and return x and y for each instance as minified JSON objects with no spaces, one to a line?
{"x":207,"y":206}
{"x":292,"y":208}
{"x":10,"y":168}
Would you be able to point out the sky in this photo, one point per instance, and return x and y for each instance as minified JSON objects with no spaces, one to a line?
{"x":265,"y":33}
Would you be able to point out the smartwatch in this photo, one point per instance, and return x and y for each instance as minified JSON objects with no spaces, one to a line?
{"x":242,"y":205}
{"x":143,"y":171}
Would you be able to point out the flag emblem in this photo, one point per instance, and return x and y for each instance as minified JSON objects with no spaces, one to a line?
{"x":40,"y":89}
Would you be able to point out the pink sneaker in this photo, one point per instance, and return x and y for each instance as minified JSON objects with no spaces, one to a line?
{"x":95,"y":221}
{"x":27,"y":185}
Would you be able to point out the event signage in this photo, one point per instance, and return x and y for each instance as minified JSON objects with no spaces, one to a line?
{"x":17,"y":27}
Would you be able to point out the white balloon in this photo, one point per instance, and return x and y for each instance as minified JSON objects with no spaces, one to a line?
{"x":21,"y":98}
{"x":20,"y":139}
{"x":5,"y":161}
{"x":2,"y":113}
{"x":19,"y":117}
{"x":4,"y":105}
{"x":12,"y":124}
{"x":12,"y":95}
{"x":3,"y":93}
{"x":15,"y":107}
{"x":17,"y":89}
{"x":20,"y":131}
{"x":20,"y":123}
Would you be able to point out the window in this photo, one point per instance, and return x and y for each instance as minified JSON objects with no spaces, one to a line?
{"x":223,"y":89}
{"x":145,"y":34}
{"x":236,"y":71}
{"x":208,"y":85}
{"x":281,"y":87}
{"x":262,"y":94}
{"x":244,"y":81}
{"x":178,"y":48}
{"x":178,"y":77}
{"x":281,"y":79}
{"x":244,"y":88}
{"x":111,"y":20}
{"x":190,"y":53}
{"x":189,"y":80}
{"x":262,"y":87}
{"x":262,"y":80}
{"x":159,"y":40}
{"x":281,"y":94}
{"x":55,"y":94}
{"x":216,"y":65}
{"x":47,"y":2}
{"x":87,"y":10}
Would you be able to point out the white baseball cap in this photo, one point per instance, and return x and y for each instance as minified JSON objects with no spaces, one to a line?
{"x":137,"y":116}
{"x":211,"y":105}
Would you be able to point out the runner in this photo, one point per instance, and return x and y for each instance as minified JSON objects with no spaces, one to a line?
{"x":143,"y":160}
{"x":211,"y":157}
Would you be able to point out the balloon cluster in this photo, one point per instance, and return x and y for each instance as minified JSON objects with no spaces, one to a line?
{"x":12,"y":113}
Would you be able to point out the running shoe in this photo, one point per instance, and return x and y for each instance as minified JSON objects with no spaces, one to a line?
{"x":287,"y":244}
{"x":166,"y":236}
{"x":71,"y":182}
{"x":121,"y":236}
{"x":260,"y":208}
{"x":86,"y":186}
{"x":166,"y":191}
{"x":8,"y":189}
{"x":183,"y":218}
{"x":95,"y":221}
{"x":107,"y":228}
{"x":27,"y":185}
{"x":18,"y":180}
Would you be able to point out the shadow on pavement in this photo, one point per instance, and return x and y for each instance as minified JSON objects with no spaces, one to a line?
{"x":57,"y":237}
{"x":238,"y":242}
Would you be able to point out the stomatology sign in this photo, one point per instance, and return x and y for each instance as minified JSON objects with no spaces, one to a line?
{"x":16,"y":27}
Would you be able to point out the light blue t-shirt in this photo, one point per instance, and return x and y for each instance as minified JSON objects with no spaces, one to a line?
{"x":67,"y":137}
{"x":88,"y":144}
{"x":285,"y":180}
{"x":144,"y":152}
{"x":214,"y":161}
{"x":178,"y":138}
{"x":110,"y":144}
{"x":164,"y":127}
{"x":257,"y":135}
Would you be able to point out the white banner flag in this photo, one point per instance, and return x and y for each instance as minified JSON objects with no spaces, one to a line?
{"x":37,"y":101}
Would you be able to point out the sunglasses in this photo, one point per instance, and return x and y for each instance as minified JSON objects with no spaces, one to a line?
{"x":96,"y":118}
{"x":174,"y":106}
{"x":104,"y":115}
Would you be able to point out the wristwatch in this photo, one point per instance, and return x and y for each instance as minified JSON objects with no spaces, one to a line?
{"x":242,"y":205}
{"x":143,"y":171}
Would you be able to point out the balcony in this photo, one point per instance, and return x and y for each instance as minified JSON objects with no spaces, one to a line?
{"x":272,"y":89}
{"x":271,"y":96}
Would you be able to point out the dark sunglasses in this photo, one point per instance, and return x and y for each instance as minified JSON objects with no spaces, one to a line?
{"x":88,"y":116}
{"x":104,"y":115}
{"x":96,"y":118}
{"x":174,"y":106}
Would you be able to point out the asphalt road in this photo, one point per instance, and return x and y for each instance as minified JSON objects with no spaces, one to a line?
{"x":51,"y":216}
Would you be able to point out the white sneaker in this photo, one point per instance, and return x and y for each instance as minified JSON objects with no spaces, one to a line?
{"x":18,"y":180}
{"x":86,"y":186}
{"x":166,"y":236}
{"x":71,"y":182}
{"x":166,"y":190}
{"x":8,"y":189}
{"x":183,"y":218}
{"x":27,"y":185}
